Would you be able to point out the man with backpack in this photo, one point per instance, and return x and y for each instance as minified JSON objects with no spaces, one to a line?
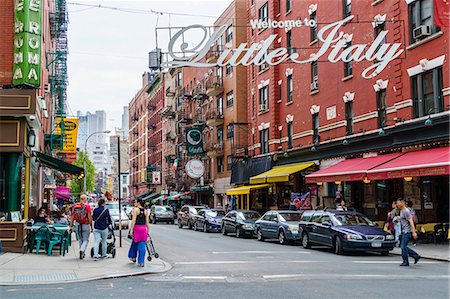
{"x":81,"y":215}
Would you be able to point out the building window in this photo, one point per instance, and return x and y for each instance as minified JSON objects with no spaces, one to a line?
{"x":278,"y":6}
{"x":289,"y":42}
{"x":228,"y":70}
{"x":280,"y":91}
{"x":230,"y":131}
{"x":421,"y":20}
{"x":220,"y":166}
{"x":219,"y":72}
{"x":219,"y":135}
{"x":313,"y":30}
{"x":264,"y":98}
{"x":349,"y":117}
{"x":381,"y":107}
{"x":377,"y":31}
{"x":290,"y":133}
{"x":229,"y":34}
{"x":314,"y":76}
{"x":288,"y":5}
{"x":348,"y":67}
{"x":427,"y":92}
{"x":290,"y":88}
{"x":264,"y":140}
{"x":179,"y":80}
{"x":347,"y":7}
{"x":264,"y":12}
{"x":230,"y":99}
{"x":220,"y":106}
{"x":229,"y":162}
{"x":315,"y":127}
{"x":263,"y":66}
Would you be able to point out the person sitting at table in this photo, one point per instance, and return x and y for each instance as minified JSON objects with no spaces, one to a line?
{"x":42,"y":216}
{"x":60,"y":218}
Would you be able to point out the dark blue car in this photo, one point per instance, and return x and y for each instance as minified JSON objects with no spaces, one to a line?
{"x":209,"y":220}
{"x":344,"y":231}
{"x":282,"y":225}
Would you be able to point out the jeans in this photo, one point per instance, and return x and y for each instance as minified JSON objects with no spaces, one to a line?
{"x":406,"y":251}
{"x":83,"y":230}
{"x":100,"y":235}
{"x":137,"y":250}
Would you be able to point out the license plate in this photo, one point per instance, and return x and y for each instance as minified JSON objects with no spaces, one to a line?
{"x":295,"y":231}
{"x":376,"y":244}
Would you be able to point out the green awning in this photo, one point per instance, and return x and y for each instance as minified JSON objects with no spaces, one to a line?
{"x":58,"y":164}
{"x":200,"y":188}
{"x":160,"y":197}
{"x":151,"y":195}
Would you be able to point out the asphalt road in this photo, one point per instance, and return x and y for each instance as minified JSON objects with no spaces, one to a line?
{"x":211,"y":265}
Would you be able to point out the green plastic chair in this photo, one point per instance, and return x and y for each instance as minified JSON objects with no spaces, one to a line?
{"x":56,"y":238}
{"x":42,"y":236}
{"x":66,"y":238}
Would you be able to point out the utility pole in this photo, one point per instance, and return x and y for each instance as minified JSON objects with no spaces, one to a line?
{"x":120,"y":191}
{"x":85,"y":154}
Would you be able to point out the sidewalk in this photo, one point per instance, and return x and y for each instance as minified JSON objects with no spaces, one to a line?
{"x":19,"y":269}
{"x":439,"y":252}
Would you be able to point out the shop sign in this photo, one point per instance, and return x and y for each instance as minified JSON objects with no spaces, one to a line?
{"x":156,"y":177}
{"x":332,"y":40}
{"x":27,"y":42}
{"x":68,"y":127}
{"x":194,"y":141}
{"x":195,"y":168}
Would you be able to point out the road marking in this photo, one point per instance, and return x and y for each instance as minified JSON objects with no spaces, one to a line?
{"x":34,"y":289}
{"x":257,"y":252}
{"x":205,"y":277}
{"x":390,"y":262}
{"x":243,"y":262}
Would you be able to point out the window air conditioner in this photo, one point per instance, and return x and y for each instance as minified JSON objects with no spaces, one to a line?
{"x":421,"y":31}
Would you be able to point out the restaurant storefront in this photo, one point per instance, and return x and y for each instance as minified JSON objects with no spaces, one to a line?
{"x":251,"y":197}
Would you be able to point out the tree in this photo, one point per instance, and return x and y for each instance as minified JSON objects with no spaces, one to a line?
{"x":77,"y":186}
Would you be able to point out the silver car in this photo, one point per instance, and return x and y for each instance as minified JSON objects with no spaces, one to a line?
{"x":115,"y":218}
{"x":162,"y":214}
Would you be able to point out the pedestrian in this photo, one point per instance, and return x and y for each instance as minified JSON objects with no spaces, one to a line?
{"x":413,"y":216}
{"x":60,"y":218}
{"x":139,"y":231}
{"x":42,"y":216}
{"x":342,"y":207}
{"x":81,"y":217}
{"x":408,"y":231}
{"x":102,"y":220}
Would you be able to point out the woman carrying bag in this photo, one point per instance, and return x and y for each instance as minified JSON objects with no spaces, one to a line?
{"x":139,"y":231}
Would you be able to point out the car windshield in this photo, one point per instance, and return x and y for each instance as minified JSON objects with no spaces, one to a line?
{"x":112,"y":206}
{"x":215,"y":213}
{"x":351,"y":219}
{"x":248,"y":215}
{"x":162,"y":209}
{"x":284,"y":217}
{"x":193,"y":211}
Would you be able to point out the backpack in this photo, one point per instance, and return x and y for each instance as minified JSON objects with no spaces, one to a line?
{"x":80,"y":214}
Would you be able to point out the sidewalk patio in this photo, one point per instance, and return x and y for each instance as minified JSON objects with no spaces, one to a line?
{"x":32,"y":268}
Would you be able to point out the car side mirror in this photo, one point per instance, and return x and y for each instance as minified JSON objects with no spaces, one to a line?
{"x":327,"y":223}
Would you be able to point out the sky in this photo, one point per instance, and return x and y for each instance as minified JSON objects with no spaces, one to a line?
{"x":108,"y":48}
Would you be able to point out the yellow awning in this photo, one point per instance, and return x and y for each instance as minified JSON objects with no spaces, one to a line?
{"x":245,"y":189}
{"x":279,"y":174}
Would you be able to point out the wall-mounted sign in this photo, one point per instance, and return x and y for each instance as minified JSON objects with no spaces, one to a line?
{"x":156,"y":177}
{"x":332,"y":41}
{"x":331,"y":112}
{"x":194,"y":141}
{"x":68,"y":127}
{"x":27,"y":42}
{"x":195,"y":168}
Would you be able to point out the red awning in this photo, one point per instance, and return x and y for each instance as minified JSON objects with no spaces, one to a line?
{"x":349,"y":170}
{"x":428,"y":162}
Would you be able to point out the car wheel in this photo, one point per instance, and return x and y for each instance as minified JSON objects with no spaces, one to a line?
{"x":238,"y":232}
{"x":282,"y":237}
{"x":305,"y":241}
{"x":259,"y":235}
{"x":385,"y":253}
{"x":205,"y":228}
{"x":224,"y":230}
{"x":180,"y":225}
{"x":172,"y":222}
{"x":338,"y":248}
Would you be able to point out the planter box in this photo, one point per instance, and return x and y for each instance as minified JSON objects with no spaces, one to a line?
{"x":13,"y":236}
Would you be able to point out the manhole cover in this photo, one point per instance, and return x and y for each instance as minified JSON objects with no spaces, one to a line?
{"x":45,"y":277}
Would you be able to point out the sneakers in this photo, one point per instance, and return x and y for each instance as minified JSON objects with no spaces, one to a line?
{"x":82,"y":255}
{"x":404,"y":265}
{"x":133,"y":260}
{"x":416,"y":259}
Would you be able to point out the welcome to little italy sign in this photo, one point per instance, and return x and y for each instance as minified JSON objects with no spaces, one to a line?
{"x":331,"y":36}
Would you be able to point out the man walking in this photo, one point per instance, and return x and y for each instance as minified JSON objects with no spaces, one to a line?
{"x":81,"y":215}
{"x":408,"y":230}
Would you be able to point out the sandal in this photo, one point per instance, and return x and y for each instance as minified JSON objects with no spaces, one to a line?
{"x":133,"y":260}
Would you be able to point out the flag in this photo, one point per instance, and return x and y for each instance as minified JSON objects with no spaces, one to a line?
{"x":175,"y":164}
{"x":442,"y":13}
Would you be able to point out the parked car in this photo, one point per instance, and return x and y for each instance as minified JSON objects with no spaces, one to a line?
{"x":128,"y":210}
{"x":186,"y":215}
{"x":209,"y":220}
{"x":240,"y":222}
{"x":115,"y":218}
{"x":282,"y":225}
{"x":161,"y":214}
{"x":344,"y":231}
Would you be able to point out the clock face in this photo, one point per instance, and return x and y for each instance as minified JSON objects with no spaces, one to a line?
{"x":194,"y":137}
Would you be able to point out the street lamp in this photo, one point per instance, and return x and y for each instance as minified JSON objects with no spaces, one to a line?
{"x":85,"y":152}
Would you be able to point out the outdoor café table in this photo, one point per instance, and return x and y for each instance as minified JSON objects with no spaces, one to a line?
{"x":32,"y":230}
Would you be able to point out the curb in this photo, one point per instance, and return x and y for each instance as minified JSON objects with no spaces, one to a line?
{"x":167,"y":267}
{"x":434,"y":258}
